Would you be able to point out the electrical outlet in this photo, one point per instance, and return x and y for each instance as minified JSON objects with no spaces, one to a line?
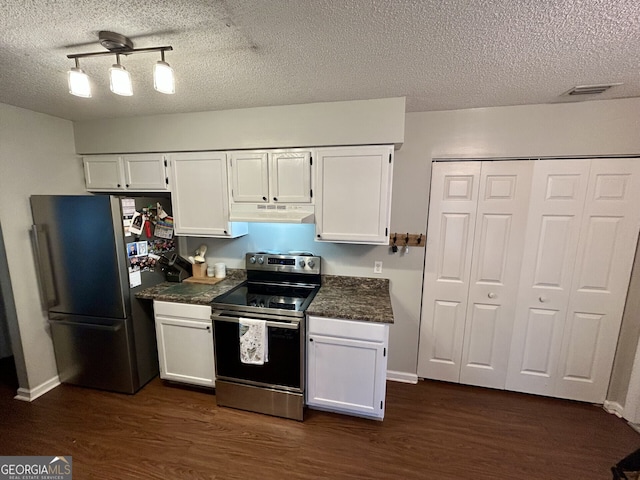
{"x":377,"y":267}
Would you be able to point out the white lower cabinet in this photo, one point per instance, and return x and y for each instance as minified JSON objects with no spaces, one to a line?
{"x":185,"y":343}
{"x":347,"y":366}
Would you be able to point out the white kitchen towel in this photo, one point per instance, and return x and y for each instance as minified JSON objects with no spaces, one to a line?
{"x":254,"y":341}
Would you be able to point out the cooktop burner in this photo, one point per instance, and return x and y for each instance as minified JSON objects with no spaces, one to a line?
{"x":261,"y":295}
{"x":276,"y":284}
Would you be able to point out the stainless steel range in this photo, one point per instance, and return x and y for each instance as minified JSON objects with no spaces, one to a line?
{"x":276,"y":293}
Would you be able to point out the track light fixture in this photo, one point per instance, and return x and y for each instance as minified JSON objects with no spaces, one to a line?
{"x":119,"y":77}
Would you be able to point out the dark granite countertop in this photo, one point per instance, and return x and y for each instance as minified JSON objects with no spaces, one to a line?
{"x":197,"y":293}
{"x":353,"y":298}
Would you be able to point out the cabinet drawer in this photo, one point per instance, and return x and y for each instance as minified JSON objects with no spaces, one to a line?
{"x":370,"y":331}
{"x":184,"y":310}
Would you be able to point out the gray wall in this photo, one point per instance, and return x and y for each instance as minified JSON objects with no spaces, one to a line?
{"x":358,"y":122}
{"x":36,"y":157}
{"x":588,"y":128}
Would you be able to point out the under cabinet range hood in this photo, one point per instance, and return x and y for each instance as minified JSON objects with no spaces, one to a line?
{"x":272,"y":213}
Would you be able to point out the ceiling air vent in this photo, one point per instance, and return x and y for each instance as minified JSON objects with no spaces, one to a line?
{"x":590,"y":89}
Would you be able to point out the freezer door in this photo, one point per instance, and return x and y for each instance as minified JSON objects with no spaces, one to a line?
{"x":80,"y":253}
{"x":95,"y":352}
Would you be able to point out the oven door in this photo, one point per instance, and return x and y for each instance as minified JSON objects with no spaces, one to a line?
{"x":284,"y":368}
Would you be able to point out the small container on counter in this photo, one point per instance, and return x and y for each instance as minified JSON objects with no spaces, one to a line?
{"x":220,"y":270}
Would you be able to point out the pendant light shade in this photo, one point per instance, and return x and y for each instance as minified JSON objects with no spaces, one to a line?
{"x":120,"y":79}
{"x":78,"y":83}
{"x":163,"y":80}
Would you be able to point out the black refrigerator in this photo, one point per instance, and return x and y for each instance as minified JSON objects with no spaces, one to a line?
{"x":103,"y":336}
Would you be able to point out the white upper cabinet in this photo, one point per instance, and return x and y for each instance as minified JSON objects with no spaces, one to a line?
{"x":249,"y":177}
{"x":271,"y":177}
{"x":134,"y":173}
{"x":353,"y":201}
{"x":290,"y":177}
{"x":145,"y":172}
{"x":200,"y":196}
{"x":103,"y":172}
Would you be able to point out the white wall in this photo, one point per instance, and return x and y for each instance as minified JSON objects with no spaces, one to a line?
{"x":36,"y":157}
{"x":356,"y":122}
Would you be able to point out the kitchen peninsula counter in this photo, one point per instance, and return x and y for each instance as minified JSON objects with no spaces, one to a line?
{"x":353,"y":298}
{"x":194,"y":293}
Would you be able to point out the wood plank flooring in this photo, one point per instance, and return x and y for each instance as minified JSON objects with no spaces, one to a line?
{"x":432,"y":430}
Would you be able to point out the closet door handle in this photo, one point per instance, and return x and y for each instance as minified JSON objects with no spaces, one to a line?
{"x":491,"y":295}
{"x":542,"y":299}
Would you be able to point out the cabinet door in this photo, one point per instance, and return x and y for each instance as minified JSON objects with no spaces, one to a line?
{"x":145,"y":172}
{"x":451,"y":225}
{"x":290,"y":177}
{"x":353,"y":203}
{"x":103,"y":173}
{"x":199,"y":194}
{"x":553,"y":228}
{"x":249,"y":177}
{"x":346,"y":375}
{"x":185,"y":350}
{"x":498,"y":244}
{"x":605,"y":254}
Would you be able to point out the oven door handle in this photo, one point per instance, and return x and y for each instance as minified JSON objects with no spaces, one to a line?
{"x":223,"y":318}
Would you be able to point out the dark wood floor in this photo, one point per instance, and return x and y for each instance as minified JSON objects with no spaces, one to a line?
{"x":431,"y":431}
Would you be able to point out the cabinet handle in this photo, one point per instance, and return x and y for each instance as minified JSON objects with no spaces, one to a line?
{"x":311,"y":339}
{"x":127,"y":185}
{"x":264,"y":198}
{"x":542,"y":299}
{"x":208,"y":328}
{"x":118,"y":185}
{"x":225,"y":232}
{"x":318,"y":235}
{"x":491,"y":295}
{"x":275,"y":199}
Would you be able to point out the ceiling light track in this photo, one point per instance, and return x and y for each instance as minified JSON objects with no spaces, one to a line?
{"x":119,"y":77}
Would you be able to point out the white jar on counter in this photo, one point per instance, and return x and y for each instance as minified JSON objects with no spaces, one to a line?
{"x":220,"y":270}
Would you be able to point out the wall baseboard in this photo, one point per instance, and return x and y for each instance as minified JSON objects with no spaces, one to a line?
{"x":403,"y":377}
{"x":30,"y":394}
{"x":613,"y":407}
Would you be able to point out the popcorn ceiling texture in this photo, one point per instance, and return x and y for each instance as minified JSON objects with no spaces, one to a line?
{"x":440,"y":54}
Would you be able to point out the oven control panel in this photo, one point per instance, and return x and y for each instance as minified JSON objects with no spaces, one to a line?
{"x":283,"y":263}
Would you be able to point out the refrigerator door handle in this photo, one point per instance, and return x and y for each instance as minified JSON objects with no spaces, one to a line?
{"x":111,"y":328}
{"x":48,"y":293}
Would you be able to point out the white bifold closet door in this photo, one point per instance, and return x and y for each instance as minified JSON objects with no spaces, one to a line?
{"x":580,"y":242}
{"x":476,"y":227}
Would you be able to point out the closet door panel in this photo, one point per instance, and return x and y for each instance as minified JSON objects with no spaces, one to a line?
{"x":605,"y":254}
{"x":551,"y":240}
{"x":451,"y":225}
{"x":495,"y":271}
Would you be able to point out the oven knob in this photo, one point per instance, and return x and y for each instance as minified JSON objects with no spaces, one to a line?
{"x":252,"y":260}
{"x":260,"y":260}
{"x":311,"y":263}
{"x":301,"y":263}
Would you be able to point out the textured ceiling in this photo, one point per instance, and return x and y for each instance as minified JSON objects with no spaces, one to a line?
{"x":440,"y":54}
